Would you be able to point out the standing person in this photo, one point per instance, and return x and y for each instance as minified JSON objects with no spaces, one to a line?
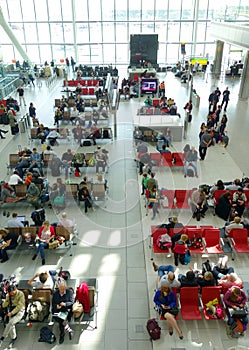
{"x":67,"y":159}
{"x":62,"y":302}
{"x":20,"y":92}
{"x":16,"y":299}
{"x":206,"y":141}
{"x":225,"y":99}
{"x":72,"y":63}
{"x":67,"y":62}
{"x":191,"y":159}
{"x":213,"y":100}
{"x":46,"y":233}
{"x":84,"y":196}
{"x":12,"y":122}
{"x":32,"y":111}
{"x":223,"y":124}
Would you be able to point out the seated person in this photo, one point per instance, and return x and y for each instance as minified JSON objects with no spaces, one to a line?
{"x":35,"y":161}
{"x":189,"y":280}
{"x":229,"y":280}
{"x":74,"y":115}
{"x":239,"y":201}
{"x":45,"y":235}
{"x":67,"y":159}
{"x":95,"y":134}
{"x":57,"y":116}
{"x":62,"y":302}
{"x":15,"y":178}
{"x":52,"y":137}
{"x":224,"y":205}
{"x":78,"y":133}
{"x":58,"y":189}
{"x":235,"y":298}
{"x":9,"y":240}
{"x":8,"y":194}
{"x":77,"y":162}
{"x":234,"y":186}
{"x":148,"y":101}
{"x":162,"y":270}
{"x":42,"y":133}
{"x":84,"y":196}
{"x":33,"y":195}
{"x":206,"y":280}
{"x":233,"y":224}
{"x":65,"y":222}
{"x":15,"y":222}
{"x":16,"y":299}
{"x":191,"y":159}
{"x":95,"y":116}
{"x":198,"y":204}
{"x":28,"y":178}
{"x":41,"y":280}
{"x":168,"y":279}
{"x":166,"y":304}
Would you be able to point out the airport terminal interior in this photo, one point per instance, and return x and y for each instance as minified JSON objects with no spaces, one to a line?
{"x":113,"y":241}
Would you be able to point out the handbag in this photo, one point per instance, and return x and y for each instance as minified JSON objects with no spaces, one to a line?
{"x":173,"y":311}
{"x":238,"y":313}
{"x":77,"y":309}
{"x":54,"y":244}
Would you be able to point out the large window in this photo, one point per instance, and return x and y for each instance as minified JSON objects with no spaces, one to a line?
{"x":45,"y":28}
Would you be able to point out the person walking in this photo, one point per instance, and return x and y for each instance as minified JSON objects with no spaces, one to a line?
{"x":226,"y":94}
{"x":206,"y":140}
{"x":20,"y":92}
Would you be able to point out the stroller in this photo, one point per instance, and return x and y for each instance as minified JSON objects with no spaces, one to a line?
{"x":38,"y":216}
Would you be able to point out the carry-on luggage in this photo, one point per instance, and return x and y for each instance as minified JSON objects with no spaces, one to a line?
{"x":153,"y":329}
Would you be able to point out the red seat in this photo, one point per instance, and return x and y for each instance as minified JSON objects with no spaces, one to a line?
{"x":155,"y":103}
{"x":155,"y":233}
{"x":212,"y":240}
{"x":156,"y":158}
{"x":246,"y":192}
{"x":239,"y":238}
{"x":178,"y":159}
{"x":89,"y":82}
{"x":194,"y":233}
{"x":167,"y":159}
{"x":85,"y":91}
{"x":209,"y":294}
{"x":189,"y":300}
{"x":168,"y":202}
{"x":91,"y":91}
{"x":95,"y":82}
{"x":182,"y":198}
{"x":176,"y":230}
{"x":70,"y":82}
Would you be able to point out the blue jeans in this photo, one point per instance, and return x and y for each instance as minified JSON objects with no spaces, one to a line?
{"x":40,"y":249}
{"x":164,"y":268}
{"x":218,"y":275}
{"x":3,"y":252}
{"x":52,"y":273}
{"x":186,"y":165}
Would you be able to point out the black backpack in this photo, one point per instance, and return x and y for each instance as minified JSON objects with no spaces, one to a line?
{"x":46,"y":336}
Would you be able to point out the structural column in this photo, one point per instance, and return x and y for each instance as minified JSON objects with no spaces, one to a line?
{"x":218,"y":56}
{"x":12,"y":37}
{"x":244,"y":84}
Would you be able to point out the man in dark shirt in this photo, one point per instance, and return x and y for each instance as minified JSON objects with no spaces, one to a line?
{"x":62,"y":303}
{"x":191,"y":159}
{"x":225,"y":99}
{"x":67,"y":159}
{"x":9,"y":242}
{"x":206,"y":140}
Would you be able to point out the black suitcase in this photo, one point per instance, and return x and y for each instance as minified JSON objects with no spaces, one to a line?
{"x":106,"y":134}
{"x":85,"y":143}
{"x":5,"y":119}
{"x":16,"y":128}
{"x":13,"y":130}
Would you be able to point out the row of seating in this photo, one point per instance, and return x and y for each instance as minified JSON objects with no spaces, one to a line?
{"x":82,"y":82}
{"x":212,"y":243}
{"x":174,"y":159}
{"x":192,"y":302}
{"x":218,"y":193}
{"x":45,"y":295}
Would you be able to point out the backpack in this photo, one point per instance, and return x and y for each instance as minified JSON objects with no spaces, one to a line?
{"x":46,"y":336}
{"x":153,"y":329}
{"x":164,"y":241}
{"x":91,"y":162}
{"x":38,"y":311}
{"x":38,"y":216}
{"x":206,"y":267}
{"x":82,"y":295}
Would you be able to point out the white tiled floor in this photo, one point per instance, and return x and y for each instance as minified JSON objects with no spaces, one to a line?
{"x":113,"y":242}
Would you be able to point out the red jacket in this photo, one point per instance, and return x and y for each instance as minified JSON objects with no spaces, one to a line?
{"x":82,"y":295}
{"x":52,"y":232}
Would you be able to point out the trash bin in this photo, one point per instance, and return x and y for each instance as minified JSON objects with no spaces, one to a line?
{"x":22,"y":126}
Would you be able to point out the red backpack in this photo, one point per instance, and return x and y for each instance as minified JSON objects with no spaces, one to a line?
{"x":82,"y":295}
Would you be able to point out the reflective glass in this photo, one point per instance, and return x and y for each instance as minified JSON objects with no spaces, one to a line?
{"x":96,"y":53}
{"x":161,"y":29}
{"x":122,"y":53}
{"x":58,"y":53}
{"x":108,"y":32}
{"x":186,"y":33}
{"x":174,"y":10}
{"x":201,"y":32}
{"x":161,"y":10}
{"x":121,"y":10}
{"x":45,"y":52}
{"x":66,"y":10}
{"x":18,"y":31}
{"x":148,"y":10}
{"x":84,"y":54}
{"x":148,"y":27}
{"x":4,"y":37}
{"x":134,"y":10}
{"x":95,"y":32}
{"x":108,"y":10}
{"x":81,"y":10}
{"x":68,"y":33}
{"x":94,"y":10}
{"x":30,"y":32}
{"x":33,"y":53}
{"x":41,"y":10}
{"x":43,"y":33}
{"x":56,"y":33}
{"x":121,"y":32}
{"x":109,"y":53}
{"x":173,"y":32}
{"x":8,"y":53}
{"x":54,"y":9}
{"x":188,"y":9}
{"x":82,"y":32}
{"x":15,"y":11}
{"x":28,"y":10}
